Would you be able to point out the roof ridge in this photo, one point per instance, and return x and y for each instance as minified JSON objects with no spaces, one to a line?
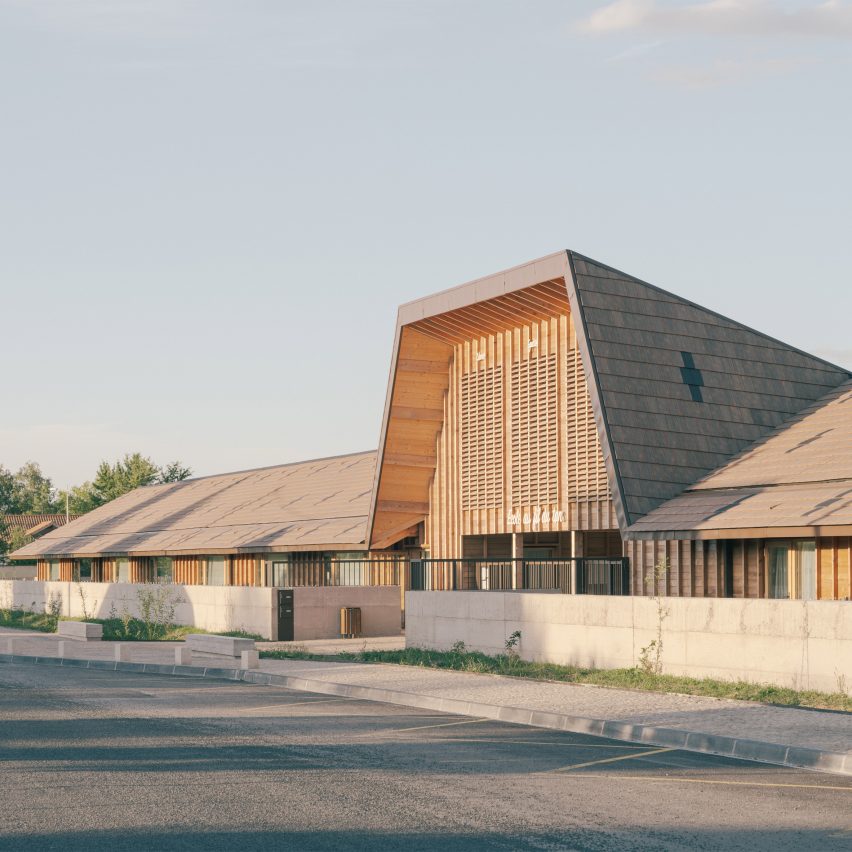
{"x":258,"y":469}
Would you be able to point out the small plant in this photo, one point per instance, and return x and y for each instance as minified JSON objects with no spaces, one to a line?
{"x":651,"y":656}
{"x":458,"y":648}
{"x":157,"y":607}
{"x":54,"y":608}
{"x":512,"y":655}
{"x":84,"y":603}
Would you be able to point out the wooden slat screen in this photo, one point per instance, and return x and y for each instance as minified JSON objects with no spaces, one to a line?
{"x":535,"y":434}
{"x":141,"y":569}
{"x":587,"y":479}
{"x":482,"y":438}
{"x":187,"y":570}
{"x":244,"y":570}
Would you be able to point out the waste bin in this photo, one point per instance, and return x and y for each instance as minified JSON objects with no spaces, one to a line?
{"x":350,"y":622}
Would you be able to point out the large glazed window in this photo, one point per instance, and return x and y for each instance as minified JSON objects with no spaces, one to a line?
{"x":482,"y":438}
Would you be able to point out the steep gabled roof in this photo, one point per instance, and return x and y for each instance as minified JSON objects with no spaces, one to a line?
{"x":678,"y":389}
{"x":320,"y":504}
{"x":797,"y":479}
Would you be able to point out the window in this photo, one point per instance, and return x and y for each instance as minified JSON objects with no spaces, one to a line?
{"x":806,"y":558}
{"x":165,"y":569}
{"x":215,"y":570}
{"x":54,"y":569}
{"x":85,"y":569}
{"x":123,"y":566}
{"x":779,"y":586}
{"x":281,"y":573}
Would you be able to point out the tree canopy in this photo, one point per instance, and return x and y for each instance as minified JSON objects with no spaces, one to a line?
{"x":30,"y":492}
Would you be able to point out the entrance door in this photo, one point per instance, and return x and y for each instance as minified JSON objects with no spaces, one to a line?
{"x":285,"y":615}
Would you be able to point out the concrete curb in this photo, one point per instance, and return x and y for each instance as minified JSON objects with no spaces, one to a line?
{"x":836,"y":763}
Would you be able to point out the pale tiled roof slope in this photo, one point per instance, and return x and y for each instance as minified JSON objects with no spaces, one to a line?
{"x":681,"y":388}
{"x":309,"y":505}
{"x":28,"y":523}
{"x":799,"y":476}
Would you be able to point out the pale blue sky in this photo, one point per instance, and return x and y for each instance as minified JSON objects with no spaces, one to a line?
{"x":210,"y":211}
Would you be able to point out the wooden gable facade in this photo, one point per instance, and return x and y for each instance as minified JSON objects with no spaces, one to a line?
{"x":489,"y":427}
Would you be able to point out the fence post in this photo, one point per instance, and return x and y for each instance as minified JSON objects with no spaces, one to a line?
{"x":517,"y":560}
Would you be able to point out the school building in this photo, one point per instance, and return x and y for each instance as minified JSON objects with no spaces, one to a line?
{"x":557,"y":427}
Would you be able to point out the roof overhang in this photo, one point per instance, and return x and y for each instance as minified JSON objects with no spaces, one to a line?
{"x":82,"y":553}
{"x":740,"y":533}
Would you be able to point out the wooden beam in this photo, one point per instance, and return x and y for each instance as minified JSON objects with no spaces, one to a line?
{"x":409,"y":460}
{"x":391,"y":536}
{"x":433,"y":415}
{"x":414,"y":365}
{"x":403,"y":506}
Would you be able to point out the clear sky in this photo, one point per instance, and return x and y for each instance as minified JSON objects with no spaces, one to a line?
{"x":210,"y":210}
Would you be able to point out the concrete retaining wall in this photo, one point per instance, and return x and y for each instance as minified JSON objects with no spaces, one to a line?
{"x":218,"y":608}
{"x":317,"y":610}
{"x":18,"y":572}
{"x":806,"y":645}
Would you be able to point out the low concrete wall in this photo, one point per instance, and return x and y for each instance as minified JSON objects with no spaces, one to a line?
{"x":18,"y":572}
{"x":220,"y":608}
{"x":208,"y":607}
{"x":806,"y":645}
{"x":316,"y":611}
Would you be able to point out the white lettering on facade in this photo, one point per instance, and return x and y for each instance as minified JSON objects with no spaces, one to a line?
{"x":538,"y":516}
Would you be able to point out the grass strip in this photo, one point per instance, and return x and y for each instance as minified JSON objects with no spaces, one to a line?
{"x":115,"y":629}
{"x":512,"y":666}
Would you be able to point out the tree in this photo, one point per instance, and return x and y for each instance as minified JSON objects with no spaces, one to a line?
{"x":81,"y":499}
{"x":8,"y":503}
{"x":34,"y":493}
{"x":174,"y":472}
{"x":29,"y":491}
{"x":4,"y":538}
{"x":113,"y":480}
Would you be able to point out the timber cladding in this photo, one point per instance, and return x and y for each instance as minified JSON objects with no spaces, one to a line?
{"x":734,"y":568}
{"x":481,"y":426}
{"x":519,"y":450}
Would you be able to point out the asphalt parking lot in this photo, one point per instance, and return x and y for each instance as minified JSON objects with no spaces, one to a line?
{"x":106,"y":761}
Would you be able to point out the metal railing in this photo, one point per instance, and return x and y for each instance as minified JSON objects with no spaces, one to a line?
{"x":339,"y":572}
{"x":593,"y":575}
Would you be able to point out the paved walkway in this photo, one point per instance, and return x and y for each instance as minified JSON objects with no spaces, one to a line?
{"x":791,"y":727}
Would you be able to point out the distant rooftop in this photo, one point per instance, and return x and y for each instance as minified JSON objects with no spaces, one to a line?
{"x":312,"y":505}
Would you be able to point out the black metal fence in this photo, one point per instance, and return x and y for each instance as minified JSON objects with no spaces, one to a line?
{"x":340,"y":572}
{"x":594,"y":575}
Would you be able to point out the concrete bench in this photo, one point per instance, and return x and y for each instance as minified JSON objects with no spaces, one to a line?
{"x":83,"y":631}
{"x":225,"y":646}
